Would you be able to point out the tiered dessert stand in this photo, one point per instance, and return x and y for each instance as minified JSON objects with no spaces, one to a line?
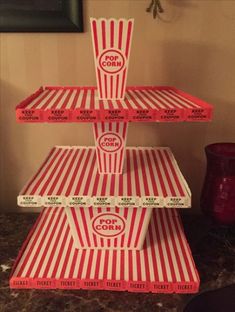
{"x":109,"y":219}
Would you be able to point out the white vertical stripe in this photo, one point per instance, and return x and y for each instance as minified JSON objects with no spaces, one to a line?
{"x":143,"y":265}
{"x":101,"y":267}
{"x":110,"y":265}
{"x":134,"y":265}
{"x":93,"y":264}
{"x":79,"y":99}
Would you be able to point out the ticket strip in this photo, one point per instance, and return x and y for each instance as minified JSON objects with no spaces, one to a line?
{"x":100,"y":228}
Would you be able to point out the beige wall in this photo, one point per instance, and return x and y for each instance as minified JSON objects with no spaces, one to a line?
{"x":192,"y":49}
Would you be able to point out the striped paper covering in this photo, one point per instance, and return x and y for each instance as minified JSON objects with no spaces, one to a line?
{"x":81,"y":104}
{"x":108,"y":228}
{"x":49,"y":259}
{"x":111,"y":44}
{"x":69,"y":177}
{"x":110,"y":141}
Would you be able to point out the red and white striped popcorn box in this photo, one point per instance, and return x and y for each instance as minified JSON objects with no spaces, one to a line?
{"x":111,"y":44}
{"x":110,"y":141}
{"x":108,"y":228}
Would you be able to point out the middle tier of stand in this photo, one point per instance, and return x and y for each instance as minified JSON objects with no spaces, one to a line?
{"x":69,"y":177}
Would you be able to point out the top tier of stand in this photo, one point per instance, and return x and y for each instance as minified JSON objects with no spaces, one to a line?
{"x":81,"y":104}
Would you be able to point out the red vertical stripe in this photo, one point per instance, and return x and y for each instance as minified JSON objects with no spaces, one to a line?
{"x":100,"y":83}
{"x":95,"y":38}
{"x":105,"y":86}
{"x":77,"y":225}
{"x":111,"y":33}
{"x":97,"y":267}
{"x":120,"y":35}
{"x":128,"y":41}
{"x":134,"y":211}
{"x":123,"y":83}
{"x":111,"y":87}
{"x":73,"y":105}
{"x":84,"y":99}
{"x":84,"y":221}
{"x":117,"y":86}
{"x":140,"y":226}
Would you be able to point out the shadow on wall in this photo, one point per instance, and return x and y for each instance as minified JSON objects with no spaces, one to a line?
{"x":192,"y":68}
{"x":9,"y":156}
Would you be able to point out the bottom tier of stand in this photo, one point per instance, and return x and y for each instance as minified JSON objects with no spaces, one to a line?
{"x":49,"y":259}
